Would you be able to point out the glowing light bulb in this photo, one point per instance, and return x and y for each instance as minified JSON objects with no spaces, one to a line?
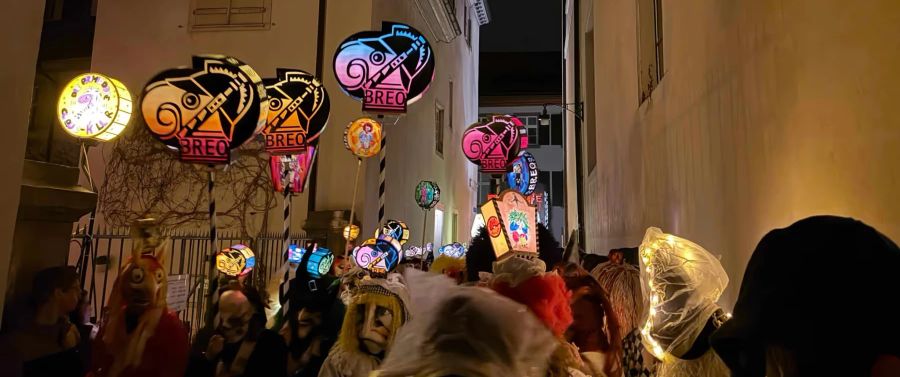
{"x":654,"y":299}
{"x":652,"y":312}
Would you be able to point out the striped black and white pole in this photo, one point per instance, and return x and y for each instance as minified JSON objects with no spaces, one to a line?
{"x":381,"y":166}
{"x":213,"y":236}
{"x":289,"y":272}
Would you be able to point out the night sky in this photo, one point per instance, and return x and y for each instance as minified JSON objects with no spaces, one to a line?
{"x":523,"y":25}
{"x":521,"y":50}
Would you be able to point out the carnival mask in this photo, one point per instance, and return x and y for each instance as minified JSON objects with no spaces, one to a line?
{"x":375,"y":327}
{"x":233,"y":319}
{"x":144,"y":279}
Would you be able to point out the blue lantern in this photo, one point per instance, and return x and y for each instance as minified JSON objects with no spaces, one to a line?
{"x":295,"y":254}
{"x":319,"y":262}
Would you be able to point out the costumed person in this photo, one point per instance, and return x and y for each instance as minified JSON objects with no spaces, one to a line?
{"x":681,"y":284}
{"x":311,"y":322}
{"x":141,"y":336}
{"x":466,"y":332}
{"x":545,"y":294}
{"x":595,"y":328}
{"x":48,"y":343}
{"x":805,"y":309}
{"x":453,"y":268}
{"x":377,"y":310}
{"x":239,"y":345}
{"x":622,"y":283}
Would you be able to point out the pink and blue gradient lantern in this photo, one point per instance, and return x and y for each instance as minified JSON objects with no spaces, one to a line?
{"x":386,"y":69}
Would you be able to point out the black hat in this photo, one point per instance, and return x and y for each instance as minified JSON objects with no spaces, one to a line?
{"x":825,"y":290}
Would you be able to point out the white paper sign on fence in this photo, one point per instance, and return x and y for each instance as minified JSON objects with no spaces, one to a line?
{"x":178,"y":292}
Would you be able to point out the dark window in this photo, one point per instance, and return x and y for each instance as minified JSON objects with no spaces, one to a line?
{"x":468,"y":24}
{"x":650,"y":46}
{"x":450,"y":121}
{"x":556,"y":129}
{"x":439,"y":129}
{"x":544,"y":135}
{"x":532,"y":136}
{"x":589,"y":127}
{"x":556,"y":190}
{"x":544,"y":179}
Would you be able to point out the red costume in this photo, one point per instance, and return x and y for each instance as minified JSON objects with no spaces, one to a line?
{"x":165,"y":354}
{"x":140,"y":337}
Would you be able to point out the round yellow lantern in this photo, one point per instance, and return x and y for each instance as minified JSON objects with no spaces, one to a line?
{"x":351,"y":232}
{"x":94,"y":106}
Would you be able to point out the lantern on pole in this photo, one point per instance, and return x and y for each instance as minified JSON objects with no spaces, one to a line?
{"x":205,"y":111}
{"x":427,"y":195}
{"x":93,"y":107}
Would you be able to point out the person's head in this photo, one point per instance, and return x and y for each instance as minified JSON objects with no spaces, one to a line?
{"x":622,"y":284}
{"x":799,"y":313}
{"x":616,"y":256}
{"x":233,"y":318}
{"x":56,"y":286}
{"x":239,"y":313}
{"x":594,"y":326}
{"x":309,"y":314}
{"x":377,"y":310}
{"x":466,"y":331}
{"x":682,"y":283}
{"x":589,"y":261}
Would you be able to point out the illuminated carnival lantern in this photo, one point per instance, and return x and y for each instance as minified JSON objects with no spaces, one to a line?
{"x":427,"y":194}
{"x":362,"y":137}
{"x":386,"y":69}
{"x":396,"y":229}
{"x":298,"y":111}
{"x":204,"y":112}
{"x":378,"y":255}
{"x":492,"y":145}
{"x":523,"y":174}
{"x":207,"y":110}
{"x":237,"y":260}
{"x":351,"y":232}
{"x":94,"y":106}
{"x":511,"y":225}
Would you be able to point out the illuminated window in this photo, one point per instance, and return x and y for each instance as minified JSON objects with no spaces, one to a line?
{"x":439,"y":129}
{"x":650,"y":46}
{"x":230,"y":14}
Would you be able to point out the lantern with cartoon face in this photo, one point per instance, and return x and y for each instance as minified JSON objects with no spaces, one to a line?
{"x":237,"y":260}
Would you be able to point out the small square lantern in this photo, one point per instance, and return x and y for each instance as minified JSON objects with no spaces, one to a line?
{"x":510,"y":223}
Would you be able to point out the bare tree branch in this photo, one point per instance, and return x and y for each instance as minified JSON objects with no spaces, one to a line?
{"x":145,"y":179}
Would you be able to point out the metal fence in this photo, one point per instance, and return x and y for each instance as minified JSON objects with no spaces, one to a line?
{"x":110,"y":249}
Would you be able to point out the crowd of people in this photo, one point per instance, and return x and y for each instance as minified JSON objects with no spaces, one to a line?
{"x":818,"y":298}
